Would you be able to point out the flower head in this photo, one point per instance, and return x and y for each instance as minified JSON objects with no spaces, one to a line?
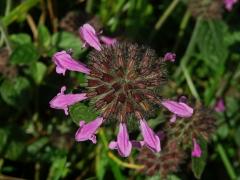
{"x":123,"y":145}
{"x":64,"y":62}
{"x":63,"y":101}
{"x":89,"y":36}
{"x":122,"y":85}
{"x":88,"y":131}
{"x":196,"y":152}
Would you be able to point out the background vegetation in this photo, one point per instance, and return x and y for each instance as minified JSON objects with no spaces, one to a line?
{"x":37,"y":142}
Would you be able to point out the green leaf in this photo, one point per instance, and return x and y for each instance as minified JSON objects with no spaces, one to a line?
{"x":66,"y":40}
{"x":19,"y":11}
{"x":20,"y":39}
{"x":37,"y":145}
{"x":58,"y":169}
{"x":37,"y":71}
{"x":44,"y":37}
{"x":80,"y":111}
{"x":3,"y":138}
{"x":24,"y":55}
{"x":101,"y":163}
{"x":14,"y":150}
{"x":198,"y":164}
{"x":15,"y":92}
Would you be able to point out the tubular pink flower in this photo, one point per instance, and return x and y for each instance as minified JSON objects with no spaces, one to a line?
{"x":88,"y":131}
{"x":107,"y":40}
{"x":229,"y":4}
{"x":89,"y":36}
{"x":65,"y":62}
{"x":62,"y":101}
{"x":151,"y":140}
{"x":196,"y":152}
{"x":178,"y":109}
{"x":220,"y":106}
{"x":169,"y":57}
{"x":123,"y":145}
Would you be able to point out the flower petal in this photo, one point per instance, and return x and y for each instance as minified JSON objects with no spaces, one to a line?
{"x":169,"y":57}
{"x":151,"y":140}
{"x":229,"y":4}
{"x":179,"y":108}
{"x":196,"y":152}
{"x":89,"y":36}
{"x":65,"y":62}
{"x":107,"y":40}
{"x":124,"y":145}
{"x":220,"y":106}
{"x":88,"y":131}
{"x":62,"y":101}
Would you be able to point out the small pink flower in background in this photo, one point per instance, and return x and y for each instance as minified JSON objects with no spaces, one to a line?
{"x":123,"y":145}
{"x":88,"y":131}
{"x":63,"y":101}
{"x":229,"y":4}
{"x":89,"y":36}
{"x":220,"y":105}
{"x":64,"y":62}
{"x":151,"y":140}
{"x":179,"y":109}
{"x":196,"y":152}
{"x":169,"y":57}
{"x":107,"y":40}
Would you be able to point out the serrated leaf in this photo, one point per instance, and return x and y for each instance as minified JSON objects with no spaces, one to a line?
{"x":15,"y":92}
{"x":198,"y":164}
{"x":24,"y":55}
{"x":80,"y":111}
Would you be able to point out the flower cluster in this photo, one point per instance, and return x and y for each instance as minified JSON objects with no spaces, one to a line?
{"x":180,"y":137}
{"x":123,"y":84}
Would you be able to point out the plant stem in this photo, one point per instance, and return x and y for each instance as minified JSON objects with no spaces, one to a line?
{"x":226,"y":162}
{"x":115,"y":158}
{"x":182,"y":28}
{"x":165,"y":15}
{"x":4,"y":35}
{"x":190,"y":82}
{"x":163,"y":18}
{"x":190,"y":47}
{"x":8,"y":6}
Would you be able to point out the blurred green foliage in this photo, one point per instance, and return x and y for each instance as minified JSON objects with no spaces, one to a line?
{"x":37,"y":142}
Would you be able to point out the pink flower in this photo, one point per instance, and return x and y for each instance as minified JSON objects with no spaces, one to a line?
{"x":229,"y":4}
{"x":123,"y":145}
{"x":178,"y":109}
{"x":65,"y":62}
{"x":88,"y":131}
{"x":196,"y":152}
{"x":62,"y":101}
{"x":89,"y":36}
{"x":107,"y":40}
{"x":151,"y":140}
{"x":220,"y":106}
{"x":169,"y":57}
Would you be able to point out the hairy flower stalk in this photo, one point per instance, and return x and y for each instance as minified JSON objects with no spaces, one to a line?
{"x":180,"y":138}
